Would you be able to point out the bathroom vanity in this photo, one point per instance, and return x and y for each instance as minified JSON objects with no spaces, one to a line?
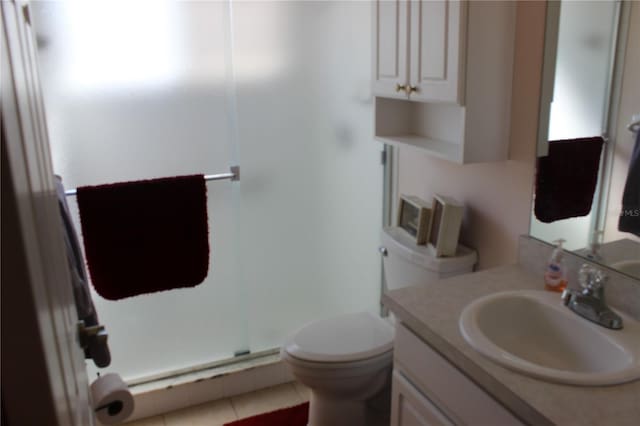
{"x":439,"y":378}
{"x":427,"y":389}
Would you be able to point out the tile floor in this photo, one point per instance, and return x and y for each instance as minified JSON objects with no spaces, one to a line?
{"x":217,"y":413}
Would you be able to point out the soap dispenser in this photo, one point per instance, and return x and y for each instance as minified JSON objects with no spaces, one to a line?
{"x":555,"y":277}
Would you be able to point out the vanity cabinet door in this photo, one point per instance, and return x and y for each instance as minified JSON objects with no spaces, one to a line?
{"x":390,"y":48}
{"x":410,"y":408}
{"x":437,"y":40}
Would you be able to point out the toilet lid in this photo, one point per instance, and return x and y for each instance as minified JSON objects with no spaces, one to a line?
{"x":344,"y":338}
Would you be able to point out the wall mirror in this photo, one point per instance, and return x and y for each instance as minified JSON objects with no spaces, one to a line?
{"x":591,"y":88}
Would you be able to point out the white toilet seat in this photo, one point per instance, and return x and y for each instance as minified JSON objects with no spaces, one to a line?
{"x":339,"y":369}
{"x":346,"y":339}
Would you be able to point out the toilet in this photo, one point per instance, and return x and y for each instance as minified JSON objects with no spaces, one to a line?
{"x":346,"y":360}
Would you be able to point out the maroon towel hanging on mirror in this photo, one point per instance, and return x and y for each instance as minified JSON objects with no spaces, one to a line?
{"x":566,"y":179}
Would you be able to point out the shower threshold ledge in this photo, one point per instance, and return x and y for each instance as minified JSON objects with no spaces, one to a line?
{"x":225,"y":379}
{"x":204,"y":371}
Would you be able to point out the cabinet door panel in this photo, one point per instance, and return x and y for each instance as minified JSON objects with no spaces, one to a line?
{"x":458,"y":396}
{"x":437,"y":50}
{"x":390,"y":50}
{"x":411,"y":408}
{"x":433,"y":40}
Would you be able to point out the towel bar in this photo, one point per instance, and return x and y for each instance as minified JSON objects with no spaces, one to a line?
{"x":233,"y":175}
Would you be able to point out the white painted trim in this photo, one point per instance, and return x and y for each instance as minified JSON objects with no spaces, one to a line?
{"x":552,"y":24}
{"x":43,"y":371}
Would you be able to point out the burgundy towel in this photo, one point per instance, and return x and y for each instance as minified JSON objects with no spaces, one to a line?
{"x":145,"y":236}
{"x":566,"y":179}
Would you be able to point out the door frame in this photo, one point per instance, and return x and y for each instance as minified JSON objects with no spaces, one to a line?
{"x":44,"y":380}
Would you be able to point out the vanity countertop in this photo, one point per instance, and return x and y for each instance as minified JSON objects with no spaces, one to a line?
{"x":432,"y":312}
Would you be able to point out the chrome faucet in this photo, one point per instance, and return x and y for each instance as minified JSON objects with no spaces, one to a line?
{"x":590,"y":303}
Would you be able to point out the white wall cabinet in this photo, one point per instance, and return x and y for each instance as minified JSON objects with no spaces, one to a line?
{"x":419,"y":49}
{"x":390,"y":48}
{"x":442,"y":74}
{"x":428,"y":390}
{"x":437,"y":46}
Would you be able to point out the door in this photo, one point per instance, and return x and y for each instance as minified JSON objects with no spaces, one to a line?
{"x":43,"y":375}
{"x":437,"y":50}
{"x":391,"y":49}
{"x":309,"y":201}
{"x":116,"y":115}
{"x":410,"y":408}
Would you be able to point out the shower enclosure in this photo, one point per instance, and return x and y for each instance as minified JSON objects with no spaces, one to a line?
{"x":139,"y":89}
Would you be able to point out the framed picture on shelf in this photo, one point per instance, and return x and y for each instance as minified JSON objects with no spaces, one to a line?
{"x":444,"y":227}
{"x":414,"y":217}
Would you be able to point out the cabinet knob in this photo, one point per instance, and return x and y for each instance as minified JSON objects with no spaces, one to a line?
{"x":401,"y":88}
{"x":410,"y":89}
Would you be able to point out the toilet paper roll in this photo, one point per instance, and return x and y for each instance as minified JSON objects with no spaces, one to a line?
{"x":112,"y":401}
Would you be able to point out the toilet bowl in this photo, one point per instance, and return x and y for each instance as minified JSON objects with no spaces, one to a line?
{"x":346,"y":360}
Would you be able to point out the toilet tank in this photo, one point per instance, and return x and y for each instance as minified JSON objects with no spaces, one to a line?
{"x":407,"y":264}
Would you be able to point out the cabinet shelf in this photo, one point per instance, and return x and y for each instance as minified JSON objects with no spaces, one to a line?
{"x":446,"y":150}
{"x":434,"y":128}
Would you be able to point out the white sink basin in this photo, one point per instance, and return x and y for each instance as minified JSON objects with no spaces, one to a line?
{"x":534,"y":333}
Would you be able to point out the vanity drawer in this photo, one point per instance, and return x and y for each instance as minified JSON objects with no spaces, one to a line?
{"x":457,"y":396}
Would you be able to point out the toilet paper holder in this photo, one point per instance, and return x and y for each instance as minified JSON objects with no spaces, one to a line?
{"x":112,"y":401}
{"x":113,"y":408}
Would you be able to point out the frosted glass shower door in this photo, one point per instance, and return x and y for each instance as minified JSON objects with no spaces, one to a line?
{"x":310,"y":198}
{"x":280,"y":88}
{"x":138,"y":90}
